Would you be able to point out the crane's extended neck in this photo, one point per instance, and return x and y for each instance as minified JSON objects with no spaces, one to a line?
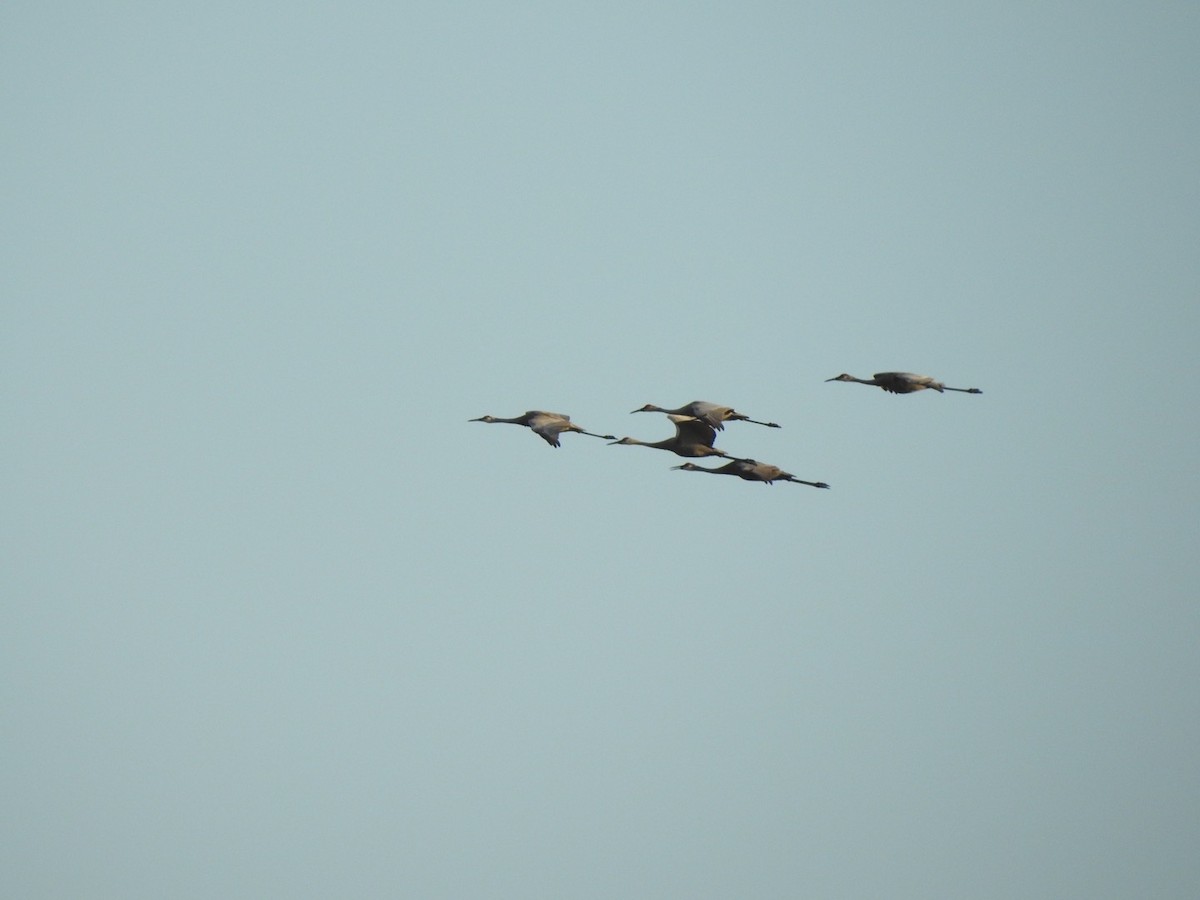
{"x":494,"y":420}
{"x":634,"y":442}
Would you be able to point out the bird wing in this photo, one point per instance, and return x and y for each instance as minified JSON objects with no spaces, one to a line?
{"x":901,"y":382}
{"x":711,"y":413}
{"x":902,"y":377}
{"x":762,"y":472}
{"x":549,"y":426}
{"x":694,"y":431}
{"x":548,"y":433}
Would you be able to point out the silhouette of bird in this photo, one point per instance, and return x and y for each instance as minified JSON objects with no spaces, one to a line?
{"x":546,"y":425}
{"x":711,"y":413}
{"x":752,"y":470}
{"x":903,"y":383}
{"x":693,"y":437}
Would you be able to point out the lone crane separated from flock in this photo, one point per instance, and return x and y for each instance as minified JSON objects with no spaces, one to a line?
{"x":693,"y":437}
{"x":711,"y":413}
{"x":752,"y":470}
{"x":546,"y":425}
{"x":903,"y":383}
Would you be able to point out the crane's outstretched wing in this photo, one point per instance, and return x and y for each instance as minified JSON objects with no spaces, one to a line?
{"x":694,"y":431}
{"x":709,"y":413}
{"x":901,"y":382}
{"x":548,"y":426}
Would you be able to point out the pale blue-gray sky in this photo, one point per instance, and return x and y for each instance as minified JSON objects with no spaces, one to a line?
{"x":278,"y":621}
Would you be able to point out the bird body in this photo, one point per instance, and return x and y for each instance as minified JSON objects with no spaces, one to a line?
{"x":710,"y":413}
{"x":752,"y":470}
{"x":693,"y":437}
{"x":903,"y":383}
{"x":546,"y":425}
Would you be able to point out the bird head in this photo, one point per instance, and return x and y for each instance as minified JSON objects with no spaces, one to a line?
{"x":687,"y":467}
{"x":649,"y":407}
{"x":624,"y":440}
{"x":483,"y":419}
{"x":843,"y":377}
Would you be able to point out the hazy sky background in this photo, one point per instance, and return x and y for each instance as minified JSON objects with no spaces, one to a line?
{"x":278,"y":622}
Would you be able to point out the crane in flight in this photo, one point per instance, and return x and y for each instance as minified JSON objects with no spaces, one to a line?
{"x":693,"y":437}
{"x":752,"y":470}
{"x":903,"y":383}
{"x":546,"y":425}
{"x":711,"y":413}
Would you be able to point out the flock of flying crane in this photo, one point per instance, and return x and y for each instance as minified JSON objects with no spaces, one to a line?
{"x":697,"y":424}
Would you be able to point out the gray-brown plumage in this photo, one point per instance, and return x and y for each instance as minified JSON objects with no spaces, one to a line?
{"x":546,"y":425}
{"x":752,"y":470}
{"x":903,"y":383}
{"x":693,"y":437}
{"x":711,"y":413}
